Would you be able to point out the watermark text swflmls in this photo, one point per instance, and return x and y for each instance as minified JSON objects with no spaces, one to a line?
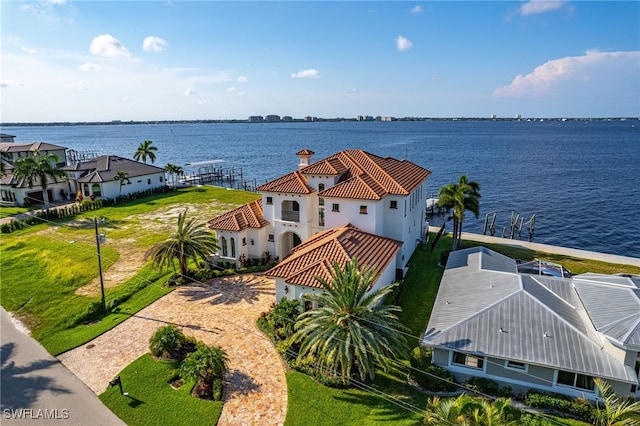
{"x":35,"y":413}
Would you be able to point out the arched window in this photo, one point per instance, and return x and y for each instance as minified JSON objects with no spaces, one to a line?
{"x":85,"y":190}
{"x":233,"y":247}
{"x":95,"y":188}
{"x":223,"y":244}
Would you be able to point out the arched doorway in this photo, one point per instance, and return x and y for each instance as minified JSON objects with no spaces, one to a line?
{"x":288,"y":241}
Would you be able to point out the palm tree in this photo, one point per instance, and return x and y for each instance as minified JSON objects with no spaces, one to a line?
{"x":144,"y":151}
{"x":448,"y":411}
{"x":173,"y":170}
{"x":38,"y":169}
{"x":616,"y":411}
{"x":123,"y":177}
{"x":190,"y":241}
{"x":351,"y":327}
{"x":206,"y":366}
{"x":461,"y":196}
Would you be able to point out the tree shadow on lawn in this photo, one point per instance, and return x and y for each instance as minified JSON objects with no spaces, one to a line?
{"x":231,"y":290}
{"x":383,"y":407}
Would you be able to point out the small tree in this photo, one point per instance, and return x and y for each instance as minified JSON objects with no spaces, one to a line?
{"x":169,"y":342}
{"x":123,"y":178}
{"x":206,"y":366}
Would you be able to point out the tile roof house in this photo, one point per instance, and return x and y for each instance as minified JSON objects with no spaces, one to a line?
{"x":97,"y":177}
{"x":17,"y":192}
{"x":532,"y":331}
{"x":352,"y":192}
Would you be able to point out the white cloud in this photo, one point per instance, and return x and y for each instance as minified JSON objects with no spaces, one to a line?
{"x":243,"y":79}
{"x":189,"y":92}
{"x":534,"y":7}
{"x":108,"y":46}
{"x":231,"y":89}
{"x":403,"y":44}
{"x":309,"y":73}
{"x":89,"y":66}
{"x":595,"y":67}
{"x":154,"y":44}
{"x":11,"y":83}
{"x":29,"y":51}
{"x":80,"y":86}
{"x":417,"y":10}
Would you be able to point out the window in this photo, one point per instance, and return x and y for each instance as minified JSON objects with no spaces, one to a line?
{"x":515,"y":365}
{"x":575,"y":380}
{"x":321,"y":201}
{"x":393,"y":204}
{"x":149,"y":181}
{"x":160,"y":179}
{"x":321,"y":187}
{"x":321,"y":217}
{"x":269,"y":200}
{"x":335,"y":207}
{"x":244,"y":241}
{"x":95,"y":189}
{"x":85,"y":190}
{"x":223,"y":244}
{"x":308,"y":305}
{"x":363,"y":209}
{"x":468,"y":360}
{"x":271,"y":238}
{"x":233,"y":247}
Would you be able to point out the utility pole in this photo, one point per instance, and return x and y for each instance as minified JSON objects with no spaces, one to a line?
{"x":104,"y":300}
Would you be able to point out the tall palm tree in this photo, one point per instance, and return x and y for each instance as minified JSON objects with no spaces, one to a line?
{"x":460,"y":197}
{"x":173,"y":170}
{"x":189,"y":241}
{"x":38,"y":169}
{"x":145,"y":150}
{"x":351,"y":327}
{"x":616,"y":411}
{"x":123,"y":177}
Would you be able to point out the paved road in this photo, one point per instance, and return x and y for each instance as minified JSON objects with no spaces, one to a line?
{"x":36,"y":389}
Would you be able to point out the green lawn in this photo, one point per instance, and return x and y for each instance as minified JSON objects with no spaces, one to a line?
{"x":152,"y":401}
{"x":6,"y":211}
{"x":44,"y":268}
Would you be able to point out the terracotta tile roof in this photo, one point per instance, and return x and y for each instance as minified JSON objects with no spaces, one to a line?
{"x":380,"y":176}
{"x":315,"y":256}
{"x":246,"y":216}
{"x":305,"y":152}
{"x":292,"y":183}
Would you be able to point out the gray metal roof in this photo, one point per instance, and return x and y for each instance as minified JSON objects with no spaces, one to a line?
{"x":522,"y":317}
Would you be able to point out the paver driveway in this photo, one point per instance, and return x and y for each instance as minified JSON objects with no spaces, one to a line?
{"x":222,"y":312}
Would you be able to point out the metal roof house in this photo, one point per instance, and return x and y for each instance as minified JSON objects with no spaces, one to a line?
{"x":531,"y":331}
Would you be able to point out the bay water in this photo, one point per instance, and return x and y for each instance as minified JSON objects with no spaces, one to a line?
{"x":579,"y":178}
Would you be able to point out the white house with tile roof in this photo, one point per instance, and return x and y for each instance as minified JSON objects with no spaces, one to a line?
{"x":15,"y":191}
{"x":97,"y":177}
{"x":382,"y":197}
{"x":530,"y":331}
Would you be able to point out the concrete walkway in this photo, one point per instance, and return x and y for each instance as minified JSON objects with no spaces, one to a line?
{"x":584,"y":254}
{"x":223,"y":313}
{"x":37,"y":389}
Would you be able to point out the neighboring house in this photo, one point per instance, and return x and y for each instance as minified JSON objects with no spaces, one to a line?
{"x":17,"y":192}
{"x":377,"y":196}
{"x":97,"y":177}
{"x":533,"y":331}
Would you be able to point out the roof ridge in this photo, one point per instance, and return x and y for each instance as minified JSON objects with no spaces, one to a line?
{"x":380,"y":169}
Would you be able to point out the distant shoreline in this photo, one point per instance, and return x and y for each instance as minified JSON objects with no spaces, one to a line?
{"x":302,"y":120}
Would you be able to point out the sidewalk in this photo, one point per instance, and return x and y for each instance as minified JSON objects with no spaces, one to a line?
{"x":584,"y":254}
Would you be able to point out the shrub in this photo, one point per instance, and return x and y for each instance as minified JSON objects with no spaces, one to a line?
{"x":429,"y":376}
{"x":169,"y":342}
{"x":489,"y":387}
{"x":578,"y":408}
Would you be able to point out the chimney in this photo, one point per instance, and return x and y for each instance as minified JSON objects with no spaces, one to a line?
{"x":305,"y":158}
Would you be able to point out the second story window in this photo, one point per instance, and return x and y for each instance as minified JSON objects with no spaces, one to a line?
{"x":321,"y":201}
{"x":393,"y":204}
{"x":335,"y":207}
{"x":363,"y":209}
{"x":269,"y":200}
{"x":321,"y":187}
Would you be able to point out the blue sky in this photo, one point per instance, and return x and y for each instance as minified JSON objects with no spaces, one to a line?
{"x":188,"y":60}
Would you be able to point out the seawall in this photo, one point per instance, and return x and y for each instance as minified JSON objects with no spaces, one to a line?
{"x":585,"y":254}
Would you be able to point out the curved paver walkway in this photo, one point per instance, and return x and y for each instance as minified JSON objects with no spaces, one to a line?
{"x":223,"y":313}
